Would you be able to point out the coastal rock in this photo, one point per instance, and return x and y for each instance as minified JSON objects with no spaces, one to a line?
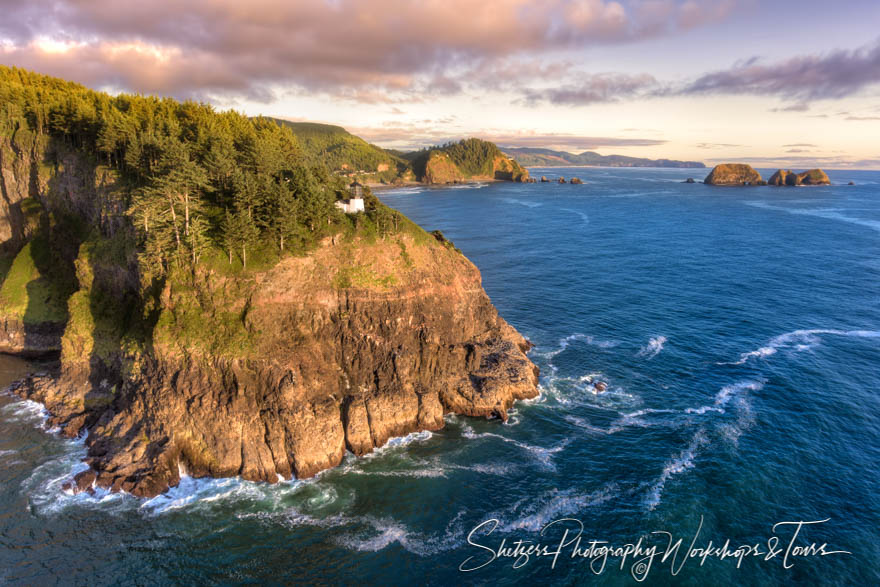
{"x":814,"y":177}
{"x":335,"y":366}
{"x":689,"y":180}
{"x":729,"y":174}
{"x":561,"y":180}
{"x":576,"y":180}
{"x":544,"y":179}
{"x":851,"y":183}
{"x":790,"y":178}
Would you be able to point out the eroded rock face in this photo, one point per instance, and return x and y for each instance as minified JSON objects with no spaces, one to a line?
{"x":334,"y":369}
{"x":733,"y":174}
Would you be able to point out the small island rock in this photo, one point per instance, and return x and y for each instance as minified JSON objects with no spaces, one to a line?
{"x":576,"y":180}
{"x":733,"y":174}
{"x":790,"y":178}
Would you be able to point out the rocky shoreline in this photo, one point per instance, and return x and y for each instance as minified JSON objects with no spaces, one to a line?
{"x":337,"y":369}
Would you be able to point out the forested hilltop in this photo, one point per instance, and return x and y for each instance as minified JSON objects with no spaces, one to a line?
{"x":347,"y":155}
{"x":213,"y":312}
{"x":161,"y":190}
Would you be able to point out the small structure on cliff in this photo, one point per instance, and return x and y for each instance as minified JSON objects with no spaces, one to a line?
{"x":355,"y":203}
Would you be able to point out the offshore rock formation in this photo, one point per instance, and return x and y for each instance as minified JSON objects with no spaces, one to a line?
{"x":441,"y":169}
{"x":809,"y":177}
{"x":354,"y":344}
{"x":733,"y":174}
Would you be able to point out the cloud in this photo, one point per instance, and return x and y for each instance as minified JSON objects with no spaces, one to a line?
{"x":863,"y":118}
{"x":800,"y":145}
{"x":717,"y":146}
{"x":833,"y":75}
{"x":792,"y":108}
{"x":592,"y":89}
{"x":358,"y":49}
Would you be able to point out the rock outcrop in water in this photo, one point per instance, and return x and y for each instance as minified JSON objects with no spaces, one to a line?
{"x":730,"y":174}
{"x":790,"y":178}
{"x":470,"y":159}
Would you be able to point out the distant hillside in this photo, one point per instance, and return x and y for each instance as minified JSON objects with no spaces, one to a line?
{"x":468,"y":159}
{"x":342,"y":151}
{"x":530,"y":157}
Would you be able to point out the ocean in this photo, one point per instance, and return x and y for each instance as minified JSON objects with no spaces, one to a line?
{"x":737,"y":331}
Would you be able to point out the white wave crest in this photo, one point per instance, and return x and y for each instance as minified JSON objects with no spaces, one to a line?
{"x":653,"y":348}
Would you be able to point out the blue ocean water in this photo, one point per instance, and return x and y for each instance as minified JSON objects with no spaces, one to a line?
{"x":737,"y":329}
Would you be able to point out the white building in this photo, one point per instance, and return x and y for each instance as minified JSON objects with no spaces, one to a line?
{"x":351,"y":206}
{"x":354,"y":204}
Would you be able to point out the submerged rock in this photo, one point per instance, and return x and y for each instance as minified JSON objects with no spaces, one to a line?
{"x":689,"y":180}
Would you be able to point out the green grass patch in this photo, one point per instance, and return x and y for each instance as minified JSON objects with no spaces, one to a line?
{"x":29,"y":293}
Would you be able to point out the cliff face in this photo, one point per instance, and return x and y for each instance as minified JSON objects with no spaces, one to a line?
{"x":733,"y":174}
{"x":346,"y":348}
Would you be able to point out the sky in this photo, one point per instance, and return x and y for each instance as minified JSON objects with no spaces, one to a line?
{"x":793,"y":83}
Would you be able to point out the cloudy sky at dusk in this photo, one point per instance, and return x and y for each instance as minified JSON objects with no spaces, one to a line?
{"x":772,"y":82}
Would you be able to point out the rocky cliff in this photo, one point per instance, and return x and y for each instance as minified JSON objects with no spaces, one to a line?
{"x":265,"y":374}
{"x":733,"y":174}
{"x":349,"y":346}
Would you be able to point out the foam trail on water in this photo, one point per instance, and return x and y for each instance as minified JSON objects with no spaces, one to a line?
{"x":801,"y":340}
{"x":828,"y":213}
{"x":653,"y":348}
{"x":723,"y":397}
{"x":678,"y":464}
{"x":519,"y":202}
{"x":583,"y":216}
{"x":556,"y":504}
{"x":544,"y":456}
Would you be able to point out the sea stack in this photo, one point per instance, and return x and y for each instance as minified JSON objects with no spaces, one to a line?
{"x":790,"y":178}
{"x":576,"y":180}
{"x":733,"y":174}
